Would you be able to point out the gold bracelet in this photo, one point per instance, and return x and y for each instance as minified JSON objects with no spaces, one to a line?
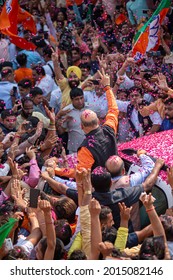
{"x":87,"y":192}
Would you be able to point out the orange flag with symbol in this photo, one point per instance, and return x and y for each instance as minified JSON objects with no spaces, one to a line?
{"x":8,"y":24}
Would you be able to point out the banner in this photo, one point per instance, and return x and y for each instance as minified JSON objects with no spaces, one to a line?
{"x":148,"y":37}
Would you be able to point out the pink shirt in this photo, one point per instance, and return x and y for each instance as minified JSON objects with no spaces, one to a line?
{"x":4,"y":54}
{"x":34,"y":174}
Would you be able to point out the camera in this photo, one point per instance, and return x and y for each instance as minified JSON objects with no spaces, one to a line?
{"x":65,"y":43}
{"x":28,"y":126}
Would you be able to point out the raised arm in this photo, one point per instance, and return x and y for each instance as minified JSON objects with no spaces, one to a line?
{"x":57,"y":68}
{"x":112,"y":115}
{"x":85,"y":219}
{"x":127,"y":62}
{"x":56,"y":186}
{"x":45,"y":206}
{"x":156,"y":224}
{"x":96,"y":234}
{"x":151,"y":179}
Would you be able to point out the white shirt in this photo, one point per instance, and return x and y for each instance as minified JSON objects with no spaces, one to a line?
{"x":55,"y":99}
{"x":122,"y":106}
{"x":128,"y":83}
{"x":47,"y":84}
{"x":73,"y":125}
{"x":5,"y":169}
{"x":99,"y":102}
{"x":48,"y":69}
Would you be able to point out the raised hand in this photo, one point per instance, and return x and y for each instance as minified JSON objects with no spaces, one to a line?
{"x":50,"y":114}
{"x":51,"y":171}
{"x":49,"y":142}
{"x":86,"y":180}
{"x":147,"y":200}
{"x":55,"y":56}
{"x":45,"y":175}
{"x":170,"y":176}
{"x":105,"y":78}
{"x":13,"y":151}
{"x":94,"y":207}
{"x":102,"y":62}
{"x":79,"y":176}
{"x":95,"y":42}
{"x":44,"y":205}
{"x":124,"y":211}
{"x":17,"y":194}
{"x":120,"y":80}
{"x":105,"y":248}
{"x":14,"y":167}
{"x":161,"y":82}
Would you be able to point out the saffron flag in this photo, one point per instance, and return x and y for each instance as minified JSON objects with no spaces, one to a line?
{"x":148,"y":37}
{"x":120,"y":19}
{"x":8,"y":17}
{"x":8,"y":24}
{"x":27,"y":20}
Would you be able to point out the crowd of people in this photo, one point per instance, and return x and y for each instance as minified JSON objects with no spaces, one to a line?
{"x":65,"y":107}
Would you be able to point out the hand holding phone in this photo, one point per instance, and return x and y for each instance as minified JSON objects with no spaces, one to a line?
{"x":18,"y":103}
{"x":33,"y":198}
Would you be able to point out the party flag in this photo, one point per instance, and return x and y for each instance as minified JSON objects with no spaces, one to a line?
{"x":8,"y":24}
{"x":148,"y":36}
{"x":8,"y":16}
{"x":27,"y":20}
{"x":6,"y":229}
{"x":120,"y":19}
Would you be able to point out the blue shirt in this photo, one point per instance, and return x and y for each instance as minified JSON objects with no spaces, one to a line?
{"x":136,"y":10}
{"x":5,"y":88}
{"x":166,"y":125}
{"x":33,"y":58}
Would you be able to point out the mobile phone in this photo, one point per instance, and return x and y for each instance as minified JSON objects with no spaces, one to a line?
{"x":142,"y":103}
{"x":15,"y":91}
{"x":8,"y":244}
{"x":28,"y":126}
{"x":18,"y":103}
{"x":68,"y":107}
{"x":33,"y":197}
{"x":95,"y":82}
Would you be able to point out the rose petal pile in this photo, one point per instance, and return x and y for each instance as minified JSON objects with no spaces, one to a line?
{"x":158,"y":145}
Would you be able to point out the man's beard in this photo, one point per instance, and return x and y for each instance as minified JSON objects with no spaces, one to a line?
{"x":73,"y":84}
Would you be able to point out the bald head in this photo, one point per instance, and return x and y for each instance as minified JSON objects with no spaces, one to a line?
{"x":89,"y":119}
{"x":115,"y":165}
